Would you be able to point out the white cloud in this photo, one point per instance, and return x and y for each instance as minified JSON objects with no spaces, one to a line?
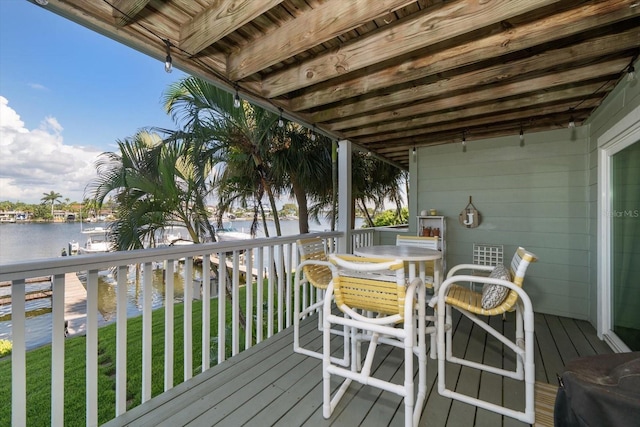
{"x":37,"y":161}
{"x":37,"y":86}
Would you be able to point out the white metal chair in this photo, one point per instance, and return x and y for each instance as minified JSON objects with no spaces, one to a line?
{"x":363,"y":284}
{"x":313,"y":275}
{"x":470,"y":303}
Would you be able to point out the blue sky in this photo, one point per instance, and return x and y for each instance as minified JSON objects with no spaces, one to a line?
{"x":66,"y":95}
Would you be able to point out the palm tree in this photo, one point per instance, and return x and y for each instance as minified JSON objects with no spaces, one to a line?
{"x":52,"y":197}
{"x":155,"y":185}
{"x":302,"y":168}
{"x":235,"y":140}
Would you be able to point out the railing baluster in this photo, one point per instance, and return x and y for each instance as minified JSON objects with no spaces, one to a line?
{"x":92,"y":348}
{"x":260,"y":296}
{"x":280,"y":294}
{"x":168,"y":324}
{"x":18,"y":355}
{"x":270,"y":298}
{"x":222,"y":280}
{"x":121,"y":340}
{"x":206,"y":311}
{"x":188,"y":316}
{"x":235,"y":305}
{"x":57,"y":350}
{"x":147,"y":286}
{"x":288,"y":283}
{"x":248,"y":339}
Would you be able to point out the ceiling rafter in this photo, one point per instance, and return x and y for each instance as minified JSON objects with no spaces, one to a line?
{"x":564,"y":24}
{"x":219,"y":20}
{"x":125,"y":10}
{"x":327,"y":21}
{"x":493,"y":74}
{"x":440,"y":23}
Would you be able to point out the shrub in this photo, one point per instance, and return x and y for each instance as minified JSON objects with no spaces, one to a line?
{"x":5,"y":348}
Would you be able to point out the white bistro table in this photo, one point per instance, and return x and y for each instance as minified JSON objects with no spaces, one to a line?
{"x":412,"y":255}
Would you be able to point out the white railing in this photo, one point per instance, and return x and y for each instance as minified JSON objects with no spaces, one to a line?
{"x":362,"y":237}
{"x":272,"y":262}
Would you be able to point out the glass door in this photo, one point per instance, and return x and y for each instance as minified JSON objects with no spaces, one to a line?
{"x":625,"y":245}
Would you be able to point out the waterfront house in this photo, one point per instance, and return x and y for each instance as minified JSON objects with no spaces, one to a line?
{"x":532,"y":108}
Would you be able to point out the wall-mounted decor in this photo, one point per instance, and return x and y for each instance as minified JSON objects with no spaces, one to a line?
{"x":469,"y":217}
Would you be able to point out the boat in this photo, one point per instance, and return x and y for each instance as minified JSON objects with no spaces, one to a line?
{"x":227,"y":233}
{"x":172,"y":237}
{"x":97,"y":241}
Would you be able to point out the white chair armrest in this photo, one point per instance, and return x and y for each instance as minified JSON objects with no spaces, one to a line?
{"x":476,"y":267}
{"x":444,"y":288}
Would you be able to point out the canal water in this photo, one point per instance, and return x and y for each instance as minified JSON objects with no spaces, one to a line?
{"x":32,"y":241}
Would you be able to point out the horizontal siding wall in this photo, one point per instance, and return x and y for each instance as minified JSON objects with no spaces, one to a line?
{"x":535,"y":196}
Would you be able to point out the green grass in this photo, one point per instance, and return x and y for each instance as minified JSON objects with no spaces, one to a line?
{"x":39,"y":367}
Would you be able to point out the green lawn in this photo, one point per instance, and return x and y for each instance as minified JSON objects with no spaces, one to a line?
{"x":39,"y":367}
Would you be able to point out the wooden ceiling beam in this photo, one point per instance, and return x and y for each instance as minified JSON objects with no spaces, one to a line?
{"x":609,"y":68}
{"x":595,"y":48}
{"x":220,"y":20}
{"x":327,"y":21}
{"x":125,"y":10}
{"x":522,"y":116}
{"x":546,"y":97}
{"x":563,"y":24}
{"x":433,"y":26}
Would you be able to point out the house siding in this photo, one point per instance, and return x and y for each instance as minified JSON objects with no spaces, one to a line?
{"x":542,"y":196}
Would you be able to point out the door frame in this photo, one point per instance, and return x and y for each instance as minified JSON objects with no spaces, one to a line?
{"x":622,"y":135}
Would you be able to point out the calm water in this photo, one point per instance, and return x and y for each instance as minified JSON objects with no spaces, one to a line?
{"x":31,"y":241}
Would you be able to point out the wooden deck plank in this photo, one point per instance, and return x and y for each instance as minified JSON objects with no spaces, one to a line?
{"x":269,"y":384}
{"x":552,"y":360}
{"x":565,"y":345}
{"x":489,"y":382}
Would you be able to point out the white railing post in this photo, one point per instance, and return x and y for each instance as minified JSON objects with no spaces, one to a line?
{"x":206,"y":311}
{"x":188,"y":322}
{"x":57,"y":350}
{"x":121,"y":340}
{"x":18,"y":355}
{"x":248,"y":339}
{"x":92,"y":348}
{"x":222,"y":294}
{"x":260,"y":295}
{"x":235,"y":305}
{"x":168,"y":324}
{"x":147,"y":285}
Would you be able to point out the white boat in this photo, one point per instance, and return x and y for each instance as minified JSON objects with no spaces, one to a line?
{"x":225,"y":234}
{"x":171,"y":237}
{"x":97,"y":241}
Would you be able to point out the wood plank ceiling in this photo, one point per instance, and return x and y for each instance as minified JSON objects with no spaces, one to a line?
{"x":391,"y":75}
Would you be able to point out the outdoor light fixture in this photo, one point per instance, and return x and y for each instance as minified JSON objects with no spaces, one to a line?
{"x":236,"y":99}
{"x":521,"y":137}
{"x":631,"y":73}
{"x":313,"y":133}
{"x":280,"y":121}
{"x":168,"y":61}
{"x":572,"y":121}
{"x":414,"y":151}
{"x":42,"y":2}
{"x":464,"y":143}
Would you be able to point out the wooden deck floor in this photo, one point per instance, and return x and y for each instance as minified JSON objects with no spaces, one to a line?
{"x":271,"y":385}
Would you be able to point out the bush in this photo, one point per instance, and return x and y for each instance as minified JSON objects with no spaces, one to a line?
{"x":5,"y":348}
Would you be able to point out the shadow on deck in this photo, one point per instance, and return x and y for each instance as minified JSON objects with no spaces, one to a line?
{"x":269,"y":384}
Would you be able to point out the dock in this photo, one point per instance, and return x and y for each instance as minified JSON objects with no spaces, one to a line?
{"x":75,"y":305}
